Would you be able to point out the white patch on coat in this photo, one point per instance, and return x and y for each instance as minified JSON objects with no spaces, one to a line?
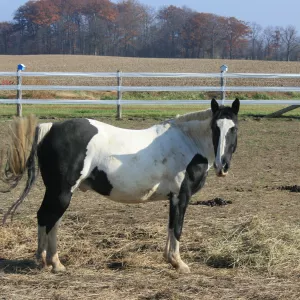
{"x":52,"y":255}
{"x":172,"y":253}
{"x":87,"y":169}
{"x":145,"y":165}
{"x":224,"y":125}
{"x":43,"y":130}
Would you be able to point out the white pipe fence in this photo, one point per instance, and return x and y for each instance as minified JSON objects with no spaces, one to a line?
{"x":145,"y":102}
{"x":119,"y":88}
{"x":151,"y":88}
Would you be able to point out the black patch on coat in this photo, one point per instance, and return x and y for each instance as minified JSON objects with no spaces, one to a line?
{"x":196,"y":173}
{"x":99,"y":182}
{"x":61,"y":157}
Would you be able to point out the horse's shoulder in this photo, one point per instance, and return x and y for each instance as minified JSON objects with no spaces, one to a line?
{"x":195,"y":175}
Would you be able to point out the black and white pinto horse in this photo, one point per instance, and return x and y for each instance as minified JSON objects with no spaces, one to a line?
{"x":166,"y":161}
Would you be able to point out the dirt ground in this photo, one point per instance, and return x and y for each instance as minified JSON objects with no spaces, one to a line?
{"x":114,"y":251}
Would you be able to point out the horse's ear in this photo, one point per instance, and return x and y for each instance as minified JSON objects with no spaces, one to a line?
{"x":236,"y":106}
{"x":214,"y":105}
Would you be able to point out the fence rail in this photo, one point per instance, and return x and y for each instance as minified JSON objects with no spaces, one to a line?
{"x":119,"y":88}
{"x":111,"y":88}
{"x":145,"y":102}
{"x":153,"y":75}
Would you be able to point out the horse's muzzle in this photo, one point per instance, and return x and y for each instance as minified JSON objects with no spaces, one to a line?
{"x":221,"y":171}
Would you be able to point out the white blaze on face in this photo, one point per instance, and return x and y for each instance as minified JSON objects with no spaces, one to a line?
{"x":224,"y":126}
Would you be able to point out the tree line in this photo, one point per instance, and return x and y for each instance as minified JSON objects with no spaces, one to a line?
{"x":130,"y":28}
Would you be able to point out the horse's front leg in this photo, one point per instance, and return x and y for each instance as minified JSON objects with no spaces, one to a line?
{"x":178,"y":205}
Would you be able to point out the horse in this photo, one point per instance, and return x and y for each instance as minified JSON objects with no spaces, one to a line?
{"x":168,"y":161}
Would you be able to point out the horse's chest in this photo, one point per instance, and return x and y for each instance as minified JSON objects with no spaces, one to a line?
{"x":196,"y":174}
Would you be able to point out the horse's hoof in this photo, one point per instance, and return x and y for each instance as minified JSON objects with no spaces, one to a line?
{"x":184,"y":269}
{"x":58,"y":269}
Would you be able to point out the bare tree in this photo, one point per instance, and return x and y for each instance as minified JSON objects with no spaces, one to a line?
{"x":6,"y":32}
{"x":290,"y":40}
{"x":267,"y":37}
{"x":277,"y":42}
{"x":214,"y":33}
{"x":254,"y":34}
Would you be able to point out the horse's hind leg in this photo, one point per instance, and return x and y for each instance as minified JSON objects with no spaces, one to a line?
{"x":42,"y":245}
{"x":52,"y":209}
{"x":52,"y":255}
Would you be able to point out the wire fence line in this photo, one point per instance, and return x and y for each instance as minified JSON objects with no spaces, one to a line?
{"x":120,"y":88}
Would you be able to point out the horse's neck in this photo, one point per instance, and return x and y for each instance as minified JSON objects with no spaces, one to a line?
{"x":200,"y":136}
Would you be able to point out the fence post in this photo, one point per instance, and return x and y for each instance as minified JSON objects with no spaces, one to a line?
{"x":119,"y":82}
{"x":224,"y":69}
{"x":20,"y":68}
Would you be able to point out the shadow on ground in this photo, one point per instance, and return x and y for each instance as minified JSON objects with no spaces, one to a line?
{"x":22,"y":266}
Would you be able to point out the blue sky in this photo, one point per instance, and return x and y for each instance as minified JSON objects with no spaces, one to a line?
{"x":263,"y":12}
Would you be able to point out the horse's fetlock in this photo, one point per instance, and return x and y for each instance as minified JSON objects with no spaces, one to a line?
{"x":173,"y":259}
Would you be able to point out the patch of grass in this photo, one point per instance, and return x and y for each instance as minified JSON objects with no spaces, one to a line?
{"x":261,"y":96}
{"x":164,"y":96}
{"x":293,"y":95}
{"x":137,"y":111}
{"x":107,"y":97}
{"x":94,"y":95}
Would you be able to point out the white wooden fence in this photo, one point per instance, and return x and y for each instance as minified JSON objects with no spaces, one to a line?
{"x":119,"y":88}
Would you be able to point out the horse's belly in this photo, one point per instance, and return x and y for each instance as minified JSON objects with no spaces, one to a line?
{"x":139,"y":196}
{"x":154,"y":193}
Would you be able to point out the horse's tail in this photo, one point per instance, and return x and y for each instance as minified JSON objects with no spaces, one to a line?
{"x":25,"y":135}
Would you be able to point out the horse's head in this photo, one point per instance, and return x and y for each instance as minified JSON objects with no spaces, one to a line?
{"x":224,"y":134}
